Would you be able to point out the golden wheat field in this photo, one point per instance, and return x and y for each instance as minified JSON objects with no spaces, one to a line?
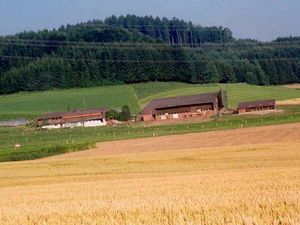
{"x":245,"y":176}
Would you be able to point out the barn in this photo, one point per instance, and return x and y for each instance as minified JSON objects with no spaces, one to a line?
{"x":193,"y":106}
{"x":253,"y":106}
{"x":76,"y":118}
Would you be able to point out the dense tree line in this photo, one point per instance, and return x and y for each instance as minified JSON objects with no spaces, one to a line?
{"x":135,"y":49}
{"x":135,"y":29}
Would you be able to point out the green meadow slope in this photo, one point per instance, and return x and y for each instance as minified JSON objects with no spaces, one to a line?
{"x":38,"y":143}
{"x":31,"y":104}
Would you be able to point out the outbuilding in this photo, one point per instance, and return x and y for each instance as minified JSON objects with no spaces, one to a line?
{"x":76,"y":118}
{"x":254,"y":106}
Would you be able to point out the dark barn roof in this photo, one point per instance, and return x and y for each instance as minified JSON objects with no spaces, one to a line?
{"x":254,"y":104}
{"x":180,"y":101}
{"x":56,"y":115}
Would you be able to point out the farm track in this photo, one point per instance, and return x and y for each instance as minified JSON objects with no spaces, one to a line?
{"x":295,"y":101}
{"x":296,"y":86}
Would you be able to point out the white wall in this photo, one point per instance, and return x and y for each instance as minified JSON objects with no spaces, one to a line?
{"x":92,"y":123}
{"x":52,"y":127}
{"x":95,"y":123}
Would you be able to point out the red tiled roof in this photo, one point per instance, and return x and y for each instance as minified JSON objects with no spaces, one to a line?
{"x":56,"y":115}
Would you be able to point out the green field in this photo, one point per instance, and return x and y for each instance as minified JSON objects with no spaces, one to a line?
{"x":30,"y":105}
{"x":38,"y":143}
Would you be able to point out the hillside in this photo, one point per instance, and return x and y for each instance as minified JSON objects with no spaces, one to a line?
{"x":39,"y":143}
{"x":31,"y":104}
{"x":131,"y":49}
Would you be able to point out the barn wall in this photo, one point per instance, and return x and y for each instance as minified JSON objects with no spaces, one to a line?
{"x":182,"y":109}
{"x":148,"y":118}
{"x":255,"y":109}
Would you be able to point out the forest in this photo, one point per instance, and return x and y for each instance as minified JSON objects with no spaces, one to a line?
{"x":132,"y":49}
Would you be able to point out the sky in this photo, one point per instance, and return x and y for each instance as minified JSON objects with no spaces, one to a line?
{"x":257,"y":19}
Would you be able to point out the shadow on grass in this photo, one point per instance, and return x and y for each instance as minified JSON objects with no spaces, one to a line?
{"x":48,"y":151}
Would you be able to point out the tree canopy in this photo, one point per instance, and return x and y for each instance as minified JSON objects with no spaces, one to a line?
{"x":131,"y":49}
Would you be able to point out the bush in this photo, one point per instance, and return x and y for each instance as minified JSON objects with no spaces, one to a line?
{"x":112,"y":114}
{"x":48,"y":151}
{"x":124,"y":115}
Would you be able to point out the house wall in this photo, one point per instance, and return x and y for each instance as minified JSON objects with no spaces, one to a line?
{"x":71,"y":119}
{"x":52,"y":127}
{"x":92,"y":123}
{"x":95,"y":123}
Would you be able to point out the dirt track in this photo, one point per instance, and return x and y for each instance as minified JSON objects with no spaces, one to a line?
{"x":295,"y":101}
{"x":245,"y":136}
{"x":293,"y":86}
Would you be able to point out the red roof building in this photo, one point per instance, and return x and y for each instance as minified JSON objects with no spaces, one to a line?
{"x":71,"y":117}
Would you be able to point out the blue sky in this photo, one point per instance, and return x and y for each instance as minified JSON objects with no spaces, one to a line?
{"x":259,"y":19}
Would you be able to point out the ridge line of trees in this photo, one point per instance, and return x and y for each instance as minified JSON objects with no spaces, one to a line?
{"x":27,"y":64}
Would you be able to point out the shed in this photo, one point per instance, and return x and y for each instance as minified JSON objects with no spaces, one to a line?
{"x":261,"y":105}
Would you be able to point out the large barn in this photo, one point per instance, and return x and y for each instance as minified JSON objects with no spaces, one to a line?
{"x":253,"y":106}
{"x":194,"y":106}
{"x":76,"y":118}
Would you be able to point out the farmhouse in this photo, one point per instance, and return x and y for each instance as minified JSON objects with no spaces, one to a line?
{"x":263,"y":105}
{"x":76,"y":118}
{"x":194,"y":106}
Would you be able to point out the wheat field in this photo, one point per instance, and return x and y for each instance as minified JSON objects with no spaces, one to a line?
{"x":246,"y":183}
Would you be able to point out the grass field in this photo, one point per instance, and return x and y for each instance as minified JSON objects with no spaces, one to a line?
{"x":37,"y":144}
{"x":247,"y":181}
{"x":30,"y":105}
